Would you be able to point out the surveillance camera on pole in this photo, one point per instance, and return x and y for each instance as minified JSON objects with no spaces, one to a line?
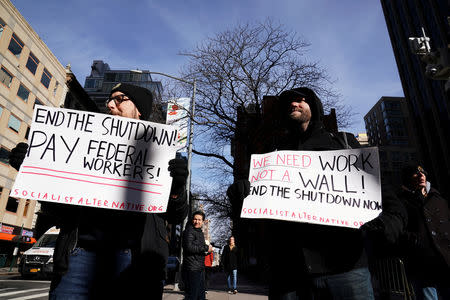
{"x":438,"y":63}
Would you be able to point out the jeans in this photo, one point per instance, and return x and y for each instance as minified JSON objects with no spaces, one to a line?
{"x":194,"y":285}
{"x":91,"y":275}
{"x":353,"y":285}
{"x":426,"y":291}
{"x":233,"y":274}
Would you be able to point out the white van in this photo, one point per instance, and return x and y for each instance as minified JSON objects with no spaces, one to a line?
{"x":38,"y":260}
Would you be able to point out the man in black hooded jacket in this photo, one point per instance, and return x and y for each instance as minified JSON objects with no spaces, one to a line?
{"x":328,"y":262}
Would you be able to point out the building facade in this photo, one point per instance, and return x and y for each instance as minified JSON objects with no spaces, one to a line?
{"x":389,"y":127}
{"x":427,"y":98}
{"x":29,"y":74}
{"x":102,"y":79}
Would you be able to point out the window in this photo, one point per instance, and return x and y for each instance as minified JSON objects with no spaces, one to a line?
{"x":37,"y":101}
{"x":15,"y":45}
{"x":46,"y":77}
{"x":32,"y":63}
{"x":1,"y":111}
{"x":14,"y":123}
{"x":12,"y":204}
{"x":111,"y":76}
{"x":23,"y":93}
{"x":27,"y":133}
{"x":25,"y":209}
{"x":4,"y":155}
{"x":5,"y":77}
{"x":2,"y":26}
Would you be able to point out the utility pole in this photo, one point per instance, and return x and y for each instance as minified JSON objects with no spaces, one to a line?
{"x":188,"y":181}
{"x":16,"y":250}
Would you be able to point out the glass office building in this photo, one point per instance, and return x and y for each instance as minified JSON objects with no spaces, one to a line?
{"x":427,"y":98}
{"x":102,"y":79}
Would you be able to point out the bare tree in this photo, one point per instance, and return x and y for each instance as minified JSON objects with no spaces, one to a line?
{"x":236,"y":68}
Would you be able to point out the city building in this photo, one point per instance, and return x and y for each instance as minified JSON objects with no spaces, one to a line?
{"x":425,"y":92}
{"x":389,"y":127}
{"x":102,"y":79}
{"x":29,"y":74}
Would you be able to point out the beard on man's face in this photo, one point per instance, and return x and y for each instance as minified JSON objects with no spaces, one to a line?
{"x":299,"y":115}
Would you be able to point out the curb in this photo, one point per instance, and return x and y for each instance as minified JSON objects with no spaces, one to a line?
{"x":9,"y":273}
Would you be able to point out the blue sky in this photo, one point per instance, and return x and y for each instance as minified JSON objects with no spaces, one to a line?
{"x":349,"y":38}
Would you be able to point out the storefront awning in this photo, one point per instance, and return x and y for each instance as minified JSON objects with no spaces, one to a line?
{"x":15,"y":238}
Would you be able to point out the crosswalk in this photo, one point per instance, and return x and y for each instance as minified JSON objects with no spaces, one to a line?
{"x":24,"y":292}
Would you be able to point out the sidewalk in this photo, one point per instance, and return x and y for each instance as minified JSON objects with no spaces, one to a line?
{"x":6,"y":271}
{"x":218,"y":290}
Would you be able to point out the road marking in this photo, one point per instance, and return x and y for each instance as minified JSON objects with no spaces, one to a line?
{"x":30,"y":297}
{"x":15,"y":280}
{"x":4,"y":289}
{"x":22,"y":292}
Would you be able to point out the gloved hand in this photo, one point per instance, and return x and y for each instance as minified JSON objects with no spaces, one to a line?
{"x":238,"y":190}
{"x":374,"y":226}
{"x":17,"y":155}
{"x":179,"y":172}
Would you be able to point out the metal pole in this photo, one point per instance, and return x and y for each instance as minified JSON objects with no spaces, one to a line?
{"x":191,"y":133}
{"x":188,"y":185}
{"x":16,"y":251}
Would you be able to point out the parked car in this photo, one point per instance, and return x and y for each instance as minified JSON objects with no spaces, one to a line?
{"x":171,"y":268}
{"x":38,"y":260}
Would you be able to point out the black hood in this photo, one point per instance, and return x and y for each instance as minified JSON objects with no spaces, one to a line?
{"x":311,"y":98}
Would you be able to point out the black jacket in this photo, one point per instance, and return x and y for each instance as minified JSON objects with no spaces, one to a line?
{"x":100,"y":229}
{"x":194,"y":248}
{"x":310,"y":248}
{"x":426,"y":242}
{"x":230,"y":258}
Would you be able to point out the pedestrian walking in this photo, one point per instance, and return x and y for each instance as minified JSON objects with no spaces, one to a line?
{"x":209,"y":259}
{"x":230,"y":260}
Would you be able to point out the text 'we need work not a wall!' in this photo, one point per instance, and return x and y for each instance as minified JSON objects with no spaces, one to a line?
{"x":337,"y":188}
{"x":97,"y":160}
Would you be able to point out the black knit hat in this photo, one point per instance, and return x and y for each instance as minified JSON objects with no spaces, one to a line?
{"x":140,"y":96}
{"x":409,"y":170}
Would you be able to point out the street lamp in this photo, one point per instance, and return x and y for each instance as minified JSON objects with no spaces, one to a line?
{"x":191,"y":130}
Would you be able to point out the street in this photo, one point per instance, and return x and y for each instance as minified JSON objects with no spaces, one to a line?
{"x":13,"y":287}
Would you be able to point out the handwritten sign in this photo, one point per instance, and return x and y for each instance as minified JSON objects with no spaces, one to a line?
{"x":97,"y":160}
{"x":337,"y":188}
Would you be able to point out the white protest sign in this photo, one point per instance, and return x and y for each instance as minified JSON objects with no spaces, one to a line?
{"x":177,"y":114}
{"x":98,"y":160}
{"x":338,"y":188}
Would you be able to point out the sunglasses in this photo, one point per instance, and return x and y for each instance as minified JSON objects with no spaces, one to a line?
{"x":117,"y":99}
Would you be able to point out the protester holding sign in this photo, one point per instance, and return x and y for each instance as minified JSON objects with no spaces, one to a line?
{"x":329,"y":262}
{"x":108,"y":253}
